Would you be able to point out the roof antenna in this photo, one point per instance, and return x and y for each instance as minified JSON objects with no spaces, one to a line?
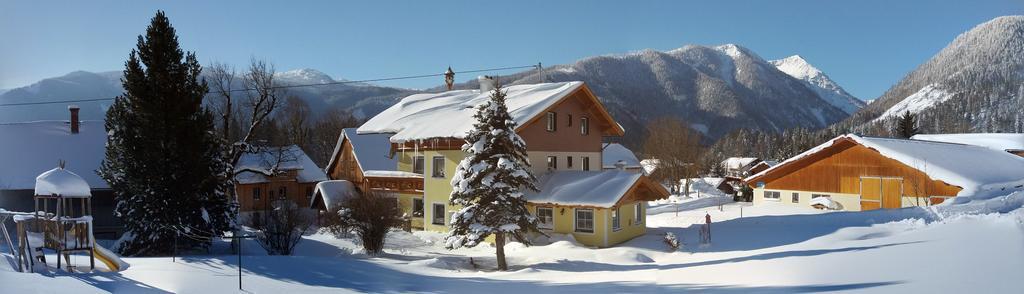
{"x":449,"y":78}
{"x":540,"y":72}
{"x":60,"y":164}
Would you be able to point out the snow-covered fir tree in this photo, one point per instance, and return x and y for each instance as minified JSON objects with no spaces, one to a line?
{"x":163,"y":161}
{"x":489,"y":183}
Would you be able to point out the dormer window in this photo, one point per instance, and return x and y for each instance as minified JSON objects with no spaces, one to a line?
{"x":552,"y":121}
{"x":584,"y":126}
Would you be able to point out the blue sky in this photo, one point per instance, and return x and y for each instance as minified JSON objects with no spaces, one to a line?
{"x":866,"y":46}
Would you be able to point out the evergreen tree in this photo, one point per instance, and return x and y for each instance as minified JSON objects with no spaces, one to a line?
{"x":489,"y":183}
{"x":906,"y":125}
{"x":163,"y":160}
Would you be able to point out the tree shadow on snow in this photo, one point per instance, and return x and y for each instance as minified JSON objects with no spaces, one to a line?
{"x":759,"y":232}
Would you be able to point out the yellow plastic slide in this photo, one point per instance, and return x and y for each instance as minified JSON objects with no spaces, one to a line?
{"x":113,"y":262}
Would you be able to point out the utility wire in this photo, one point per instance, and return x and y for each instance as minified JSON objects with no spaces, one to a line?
{"x":292,"y":86}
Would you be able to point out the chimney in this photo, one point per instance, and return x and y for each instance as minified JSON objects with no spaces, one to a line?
{"x":620,"y":165}
{"x":487,"y":83}
{"x":74,"y":118}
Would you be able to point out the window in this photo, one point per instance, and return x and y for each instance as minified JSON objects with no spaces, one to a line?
{"x":417,"y":164}
{"x":283,"y":192}
{"x":818,"y":195}
{"x":552,"y":121}
{"x":585,"y":220}
{"x":256,"y":194}
{"x":586,"y":163}
{"x":552,"y":163}
{"x":417,"y":207}
{"x":568,"y":162}
{"x":584,"y":126}
{"x":775,"y":195}
{"x":437,"y":170}
{"x":546,"y":216}
{"x":271,"y":195}
{"x":616,"y":220}
{"x":796,"y":197}
{"x":638,"y":213}
{"x":570,"y":119}
{"x":438,"y":214}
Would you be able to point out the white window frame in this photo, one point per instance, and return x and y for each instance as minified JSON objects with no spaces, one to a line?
{"x":434,"y":166}
{"x":584,"y":126}
{"x":552,"y":162}
{"x":638,"y":214}
{"x":433,"y":213}
{"x":552,"y":122}
{"x":616,"y":219}
{"x":576,"y":220}
{"x":546,"y":225}
{"x":777,"y":194}
{"x":795,"y":197}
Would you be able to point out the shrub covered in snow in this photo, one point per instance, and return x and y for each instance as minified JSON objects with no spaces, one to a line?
{"x":371,"y":216}
{"x":672,"y":241}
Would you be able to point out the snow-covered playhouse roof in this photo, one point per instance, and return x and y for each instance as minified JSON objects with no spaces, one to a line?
{"x":254,"y":167}
{"x":975,"y":169}
{"x":614,"y":153}
{"x":331,"y":193}
{"x":62,"y":182}
{"x":1001,"y":141}
{"x":372,"y":153}
{"x":31,"y":148}
{"x":590,"y":188}
{"x":450,"y":114}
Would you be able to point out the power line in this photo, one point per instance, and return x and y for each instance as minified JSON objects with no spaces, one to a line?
{"x":291,"y":86}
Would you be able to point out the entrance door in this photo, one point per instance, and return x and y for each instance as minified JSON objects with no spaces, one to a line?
{"x":880,"y":192}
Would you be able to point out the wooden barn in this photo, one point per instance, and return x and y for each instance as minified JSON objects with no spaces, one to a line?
{"x":274,"y":176}
{"x":863,"y":173}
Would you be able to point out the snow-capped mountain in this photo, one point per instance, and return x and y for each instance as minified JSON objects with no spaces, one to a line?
{"x":819,"y":82}
{"x":716,"y":89}
{"x":973,"y":84}
{"x":361,"y":99}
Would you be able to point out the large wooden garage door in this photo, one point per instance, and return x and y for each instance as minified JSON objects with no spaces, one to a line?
{"x":880,"y":192}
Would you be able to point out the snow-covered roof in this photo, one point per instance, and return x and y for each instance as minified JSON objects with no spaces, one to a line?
{"x":584,"y":188}
{"x":614,"y":153}
{"x":450,"y":114}
{"x":372,"y":152}
{"x":254,"y":167}
{"x":975,"y":169}
{"x":334,"y":192}
{"x":1001,"y":141}
{"x":62,"y":182}
{"x":649,"y":165}
{"x":738,"y":162}
{"x":31,"y":148}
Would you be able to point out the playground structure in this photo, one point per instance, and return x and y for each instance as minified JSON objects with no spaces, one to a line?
{"x":62,"y":222}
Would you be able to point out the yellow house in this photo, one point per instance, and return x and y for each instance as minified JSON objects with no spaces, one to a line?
{"x":563,"y":125}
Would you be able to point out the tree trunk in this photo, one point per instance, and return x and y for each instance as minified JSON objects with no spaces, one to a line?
{"x":499,"y":242}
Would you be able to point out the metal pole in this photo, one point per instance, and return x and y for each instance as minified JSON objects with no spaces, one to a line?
{"x":239,"y":262}
{"x":174,"y":251}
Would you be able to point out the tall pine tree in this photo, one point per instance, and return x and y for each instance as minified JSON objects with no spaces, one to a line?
{"x":163,"y":160}
{"x":906,"y":125}
{"x":489,"y":183}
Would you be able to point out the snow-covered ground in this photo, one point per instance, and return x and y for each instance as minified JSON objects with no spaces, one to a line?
{"x":973,"y":247}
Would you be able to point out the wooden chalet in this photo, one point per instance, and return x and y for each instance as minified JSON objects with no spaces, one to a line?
{"x":864,"y":173}
{"x":270,"y":177}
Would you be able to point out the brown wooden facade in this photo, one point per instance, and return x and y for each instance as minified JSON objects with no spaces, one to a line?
{"x":261,"y":196}
{"x":346,"y":167}
{"x":850,"y":168}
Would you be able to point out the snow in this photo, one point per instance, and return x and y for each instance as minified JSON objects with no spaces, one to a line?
{"x":968,"y":248}
{"x":796,"y":67}
{"x":925,"y":98}
{"x":372,"y":151}
{"x":254,"y":167}
{"x":613,"y":153}
{"x":31,"y":148}
{"x":999,"y":141}
{"x":391,"y":174}
{"x":62,"y":182}
{"x":584,"y":188}
{"x":450,"y":114}
{"x":736,"y":163}
{"x":978,"y":170}
{"x":334,"y":192}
